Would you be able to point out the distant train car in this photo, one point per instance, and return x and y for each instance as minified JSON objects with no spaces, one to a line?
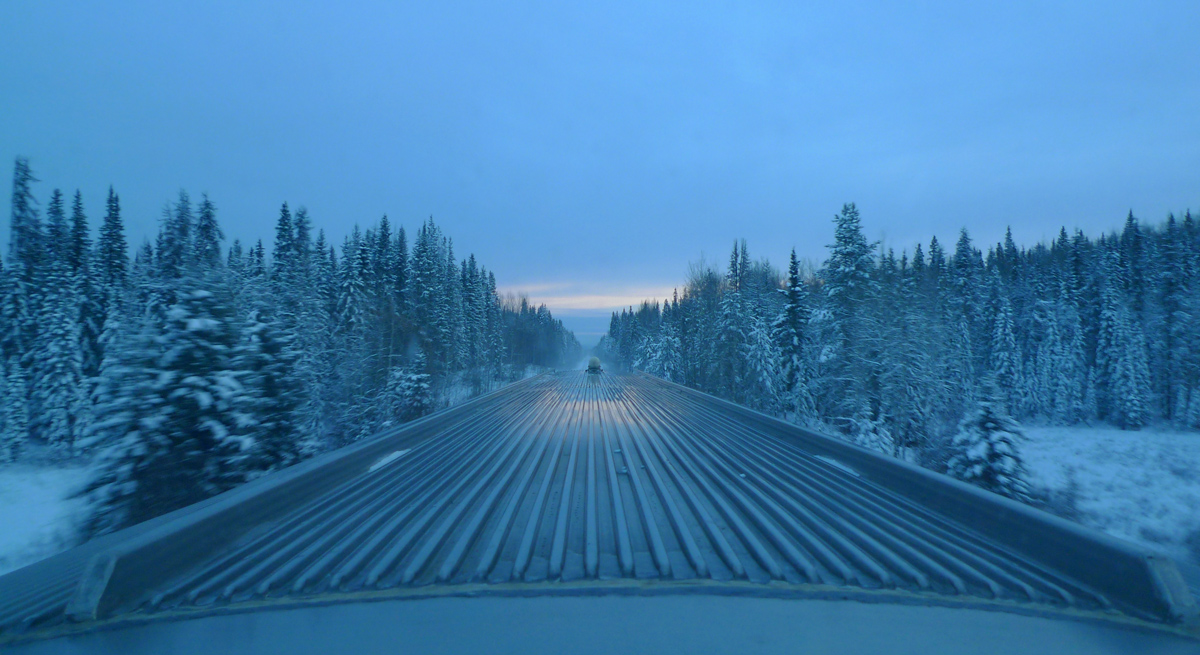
{"x":594,"y":365}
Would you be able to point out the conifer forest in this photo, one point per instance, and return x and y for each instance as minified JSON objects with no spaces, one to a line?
{"x":195,"y":365}
{"x":911,"y":354}
{"x":186,"y":365}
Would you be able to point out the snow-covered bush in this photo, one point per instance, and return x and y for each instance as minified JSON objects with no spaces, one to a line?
{"x":872,"y":434}
{"x":408,"y":392}
{"x":986,"y":453}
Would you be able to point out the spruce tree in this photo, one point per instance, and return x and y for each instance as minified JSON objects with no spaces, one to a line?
{"x":426,"y":293}
{"x":284,"y":252}
{"x":408,"y":394}
{"x":235,"y":259}
{"x":200,"y":436}
{"x":59,"y":392}
{"x":84,"y":288}
{"x":400,"y":268}
{"x":26,"y":257}
{"x":1072,"y":371}
{"x":58,"y":233}
{"x":987,"y":452}
{"x":453,"y":310}
{"x":267,"y":363}
{"x":846,"y":325}
{"x":25,"y":229}
{"x":206,"y":246}
{"x":258,"y":260}
{"x":14,"y":411}
{"x":868,"y":431}
{"x":1131,"y":377}
{"x":175,"y":249}
{"x":1131,"y":264}
{"x":666,"y":362}
{"x":495,"y":319}
{"x":55,"y":358}
{"x":1177,"y":324}
{"x":127,"y":431}
{"x":966,"y":304}
{"x":112,"y":252}
{"x":352,"y":296}
{"x":302,"y":243}
{"x":14,"y":396}
{"x":790,"y":335}
{"x":325,"y":278}
{"x":732,"y":329}
{"x":1046,"y":402}
{"x":1012,"y":258}
{"x":81,"y":240}
{"x":1005,"y":358}
{"x":760,"y":352}
{"x":937,"y":263}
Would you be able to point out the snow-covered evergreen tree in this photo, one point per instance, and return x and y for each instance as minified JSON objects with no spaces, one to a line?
{"x":266,"y":362}
{"x":86,"y":292}
{"x":456,"y":346}
{"x":730,"y":349}
{"x":204,"y":413}
{"x":408,"y":394}
{"x":870,"y":432}
{"x":846,"y":326}
{"x":174,"y":414}
{"x":174,"y":252}
{"x":112,"y":252}
{"x":59,"y":390}
{"x":127,"y":430}
{"x":1131,"y":378}
{"x":26,"y":235}
{"x":206,"y":245}
{"x":352,"y":296}
{"x":664,"y":352}
{"x":14,"y":412}
{"x":55,"y":359}
{"x":987,"y":452}
{"x":790,"y":335}
{"x":1005,"y":358}
{"x":760,"y":354}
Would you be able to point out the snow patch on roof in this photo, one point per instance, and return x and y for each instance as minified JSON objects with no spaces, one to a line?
{"x":833,"y":462}
{"x":387,"y":459}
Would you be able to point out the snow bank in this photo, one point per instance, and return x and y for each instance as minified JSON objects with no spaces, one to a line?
{"x":37,"y":511}
{"x":1142,"y":486}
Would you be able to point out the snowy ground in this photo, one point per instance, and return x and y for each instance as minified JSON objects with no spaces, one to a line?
{"x":1141,"y":486}
{"x":37,"y":510}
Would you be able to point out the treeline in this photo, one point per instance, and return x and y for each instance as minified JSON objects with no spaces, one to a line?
{"x":193,"y":367}
{"x":893,"y":351}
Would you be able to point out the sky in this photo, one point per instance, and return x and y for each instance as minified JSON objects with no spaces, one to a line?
{"x":587,"y":152}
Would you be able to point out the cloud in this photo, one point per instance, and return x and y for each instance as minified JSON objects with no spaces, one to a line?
{"x":581,"y":299}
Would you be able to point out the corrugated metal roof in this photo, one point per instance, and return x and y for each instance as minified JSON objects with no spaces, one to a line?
{"x":571,"y":478}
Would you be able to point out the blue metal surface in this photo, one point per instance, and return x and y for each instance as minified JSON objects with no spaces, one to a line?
{"x":567,"y":478}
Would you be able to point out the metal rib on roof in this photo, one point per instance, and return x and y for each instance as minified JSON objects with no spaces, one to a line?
{"x":608,"y":477}
{"x":577,"y":478}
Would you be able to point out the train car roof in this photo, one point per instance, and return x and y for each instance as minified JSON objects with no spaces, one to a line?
{"x":591,"y":494}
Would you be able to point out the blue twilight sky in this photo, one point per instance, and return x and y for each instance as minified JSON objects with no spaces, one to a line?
{"x":588,"y":152}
